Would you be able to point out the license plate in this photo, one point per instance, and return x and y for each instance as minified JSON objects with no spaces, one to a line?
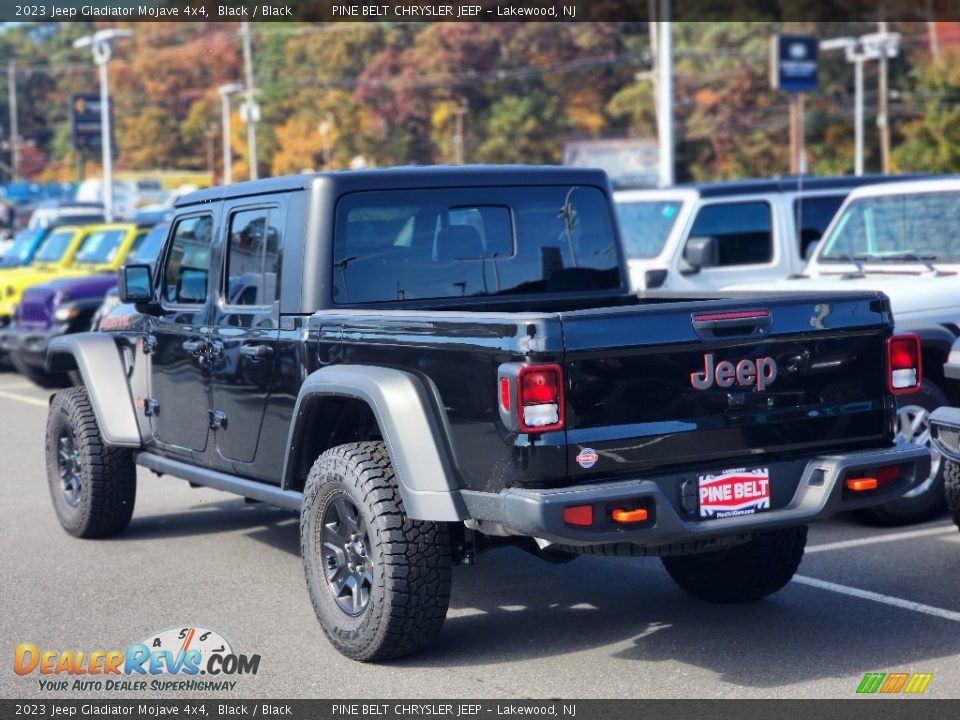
{"x":728,"y":493}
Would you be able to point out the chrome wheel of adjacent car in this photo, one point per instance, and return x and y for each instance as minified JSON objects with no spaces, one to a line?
{"x":913,"y":425}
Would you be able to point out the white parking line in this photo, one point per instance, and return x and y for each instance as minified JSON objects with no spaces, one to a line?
{"x":891,"y":537}
{"x":878,"y":597}
{"x":17,"y":386}
{"x":24,"y":399}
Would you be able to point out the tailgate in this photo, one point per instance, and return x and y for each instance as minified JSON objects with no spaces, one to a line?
{"x":701,"y":383}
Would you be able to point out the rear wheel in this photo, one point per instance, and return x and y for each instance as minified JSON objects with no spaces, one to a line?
{"x":744,"y":572}
{"x":379,"y":581}
{"x":93,"y":485}
{"x":913,"y":425}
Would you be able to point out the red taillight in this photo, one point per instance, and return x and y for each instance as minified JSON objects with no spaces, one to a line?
{"x":905,"y":373}
{"x":539,"y":398}
{"x":505,"y":393}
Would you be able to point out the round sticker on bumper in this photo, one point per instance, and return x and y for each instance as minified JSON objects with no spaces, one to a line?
{"x":587,"y":458}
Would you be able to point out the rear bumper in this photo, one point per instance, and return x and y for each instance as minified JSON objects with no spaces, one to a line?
{"x":29,"y":346}
{"x":820,"y":493}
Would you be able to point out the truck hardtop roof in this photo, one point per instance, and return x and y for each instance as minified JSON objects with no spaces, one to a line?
{"x":790,"y":183}
{"x":398,"y":178}
{"x":926,"y":185}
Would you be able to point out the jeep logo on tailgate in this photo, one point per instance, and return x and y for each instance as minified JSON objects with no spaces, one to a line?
{"x":759,"y":373}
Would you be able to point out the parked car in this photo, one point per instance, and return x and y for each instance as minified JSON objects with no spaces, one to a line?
{"x":945,"y":432}
{"x":68,"y":252}
{"x":62,"y":306}
{"x":28,"y":240}
{"x":706,"y":236}
{"x":900,"y":238}
{"x":441,"y":361}
{"x":52,"y":213}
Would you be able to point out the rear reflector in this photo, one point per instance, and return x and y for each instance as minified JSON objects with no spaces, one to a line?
{"x":505,"y":393}
{"x":629,"y":516}
{"x":861,"y":484}
{"x":578,"y":515}
{"x":904,"y":364}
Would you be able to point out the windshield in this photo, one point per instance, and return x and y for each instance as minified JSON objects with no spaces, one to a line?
{"x":100,"y":247}
{"x":645,"y":225}
{"x":54,"y":246}
{"x":19,"y":252}
{"x":898,"y":227}
{"x":147,"y":245}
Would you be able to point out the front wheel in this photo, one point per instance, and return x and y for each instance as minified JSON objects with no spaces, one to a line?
{"x":93,"y":485}
{"x":913,"y":425}
{"x":743,"y":572}
{"x":379,"y":581}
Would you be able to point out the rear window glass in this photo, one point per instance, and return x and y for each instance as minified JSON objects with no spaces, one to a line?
{"x":469,"y":242}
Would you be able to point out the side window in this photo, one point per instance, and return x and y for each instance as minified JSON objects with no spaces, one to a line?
{"x":744,"y":231}
{"x":187,"y":267}
{"x":253,"y":257}
{"x":812,"y":215}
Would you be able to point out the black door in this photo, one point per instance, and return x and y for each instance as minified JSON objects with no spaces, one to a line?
{"x":245,"y":331}
{"x":182,"y":353}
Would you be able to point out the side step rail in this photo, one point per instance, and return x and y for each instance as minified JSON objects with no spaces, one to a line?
{"x":270,"y":494}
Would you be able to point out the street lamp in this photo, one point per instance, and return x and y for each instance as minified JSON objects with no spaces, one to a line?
{"x":225,"y":92}
{"x":100,"y":44}
{"x":858,"y":50}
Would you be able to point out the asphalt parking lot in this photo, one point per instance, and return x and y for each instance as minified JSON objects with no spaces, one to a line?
{"x":865,"y":600}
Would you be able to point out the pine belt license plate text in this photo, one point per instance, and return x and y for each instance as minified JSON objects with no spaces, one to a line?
{"x":741,"y":491}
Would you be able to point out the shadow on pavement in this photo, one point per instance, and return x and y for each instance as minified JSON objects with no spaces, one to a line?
{"x":514,"y":607}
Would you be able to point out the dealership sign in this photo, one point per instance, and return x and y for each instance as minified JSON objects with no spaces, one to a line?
{"x":793,"y":62}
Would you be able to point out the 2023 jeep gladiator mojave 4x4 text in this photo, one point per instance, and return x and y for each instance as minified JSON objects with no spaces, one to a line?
{"x":427,"y":363}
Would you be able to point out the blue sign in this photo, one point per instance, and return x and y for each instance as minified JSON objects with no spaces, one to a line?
{"x":794,"y":63}
{"x":85,"y":123}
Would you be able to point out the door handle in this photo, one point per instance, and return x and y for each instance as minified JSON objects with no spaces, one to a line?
{"x":194,"y":346}
{"x":258,"y":352}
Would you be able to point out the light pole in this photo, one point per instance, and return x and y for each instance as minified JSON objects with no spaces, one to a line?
{"x":249,"y":111}
{"x":225,"y":92}
{"x":100,"y":44}
{"x":858,"y":50}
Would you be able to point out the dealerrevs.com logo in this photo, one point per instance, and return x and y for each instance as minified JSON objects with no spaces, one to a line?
{"x":186,"y":658}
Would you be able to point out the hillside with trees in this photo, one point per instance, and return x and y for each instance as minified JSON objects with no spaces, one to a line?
{"x":393,"y":94}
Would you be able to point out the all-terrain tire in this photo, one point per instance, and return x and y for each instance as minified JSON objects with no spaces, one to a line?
{"x":93,"y":485}
{"x":743,"y":572}
{"x":928,"y":502}
{"x":951,"y":478}
{"x":379,"y":581}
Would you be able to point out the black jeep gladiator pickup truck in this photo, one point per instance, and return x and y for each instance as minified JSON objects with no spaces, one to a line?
{"x":427,"y":363}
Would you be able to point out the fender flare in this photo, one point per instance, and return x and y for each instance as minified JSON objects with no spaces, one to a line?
{"x":98,"y":360}
{"x":413,"y":434}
